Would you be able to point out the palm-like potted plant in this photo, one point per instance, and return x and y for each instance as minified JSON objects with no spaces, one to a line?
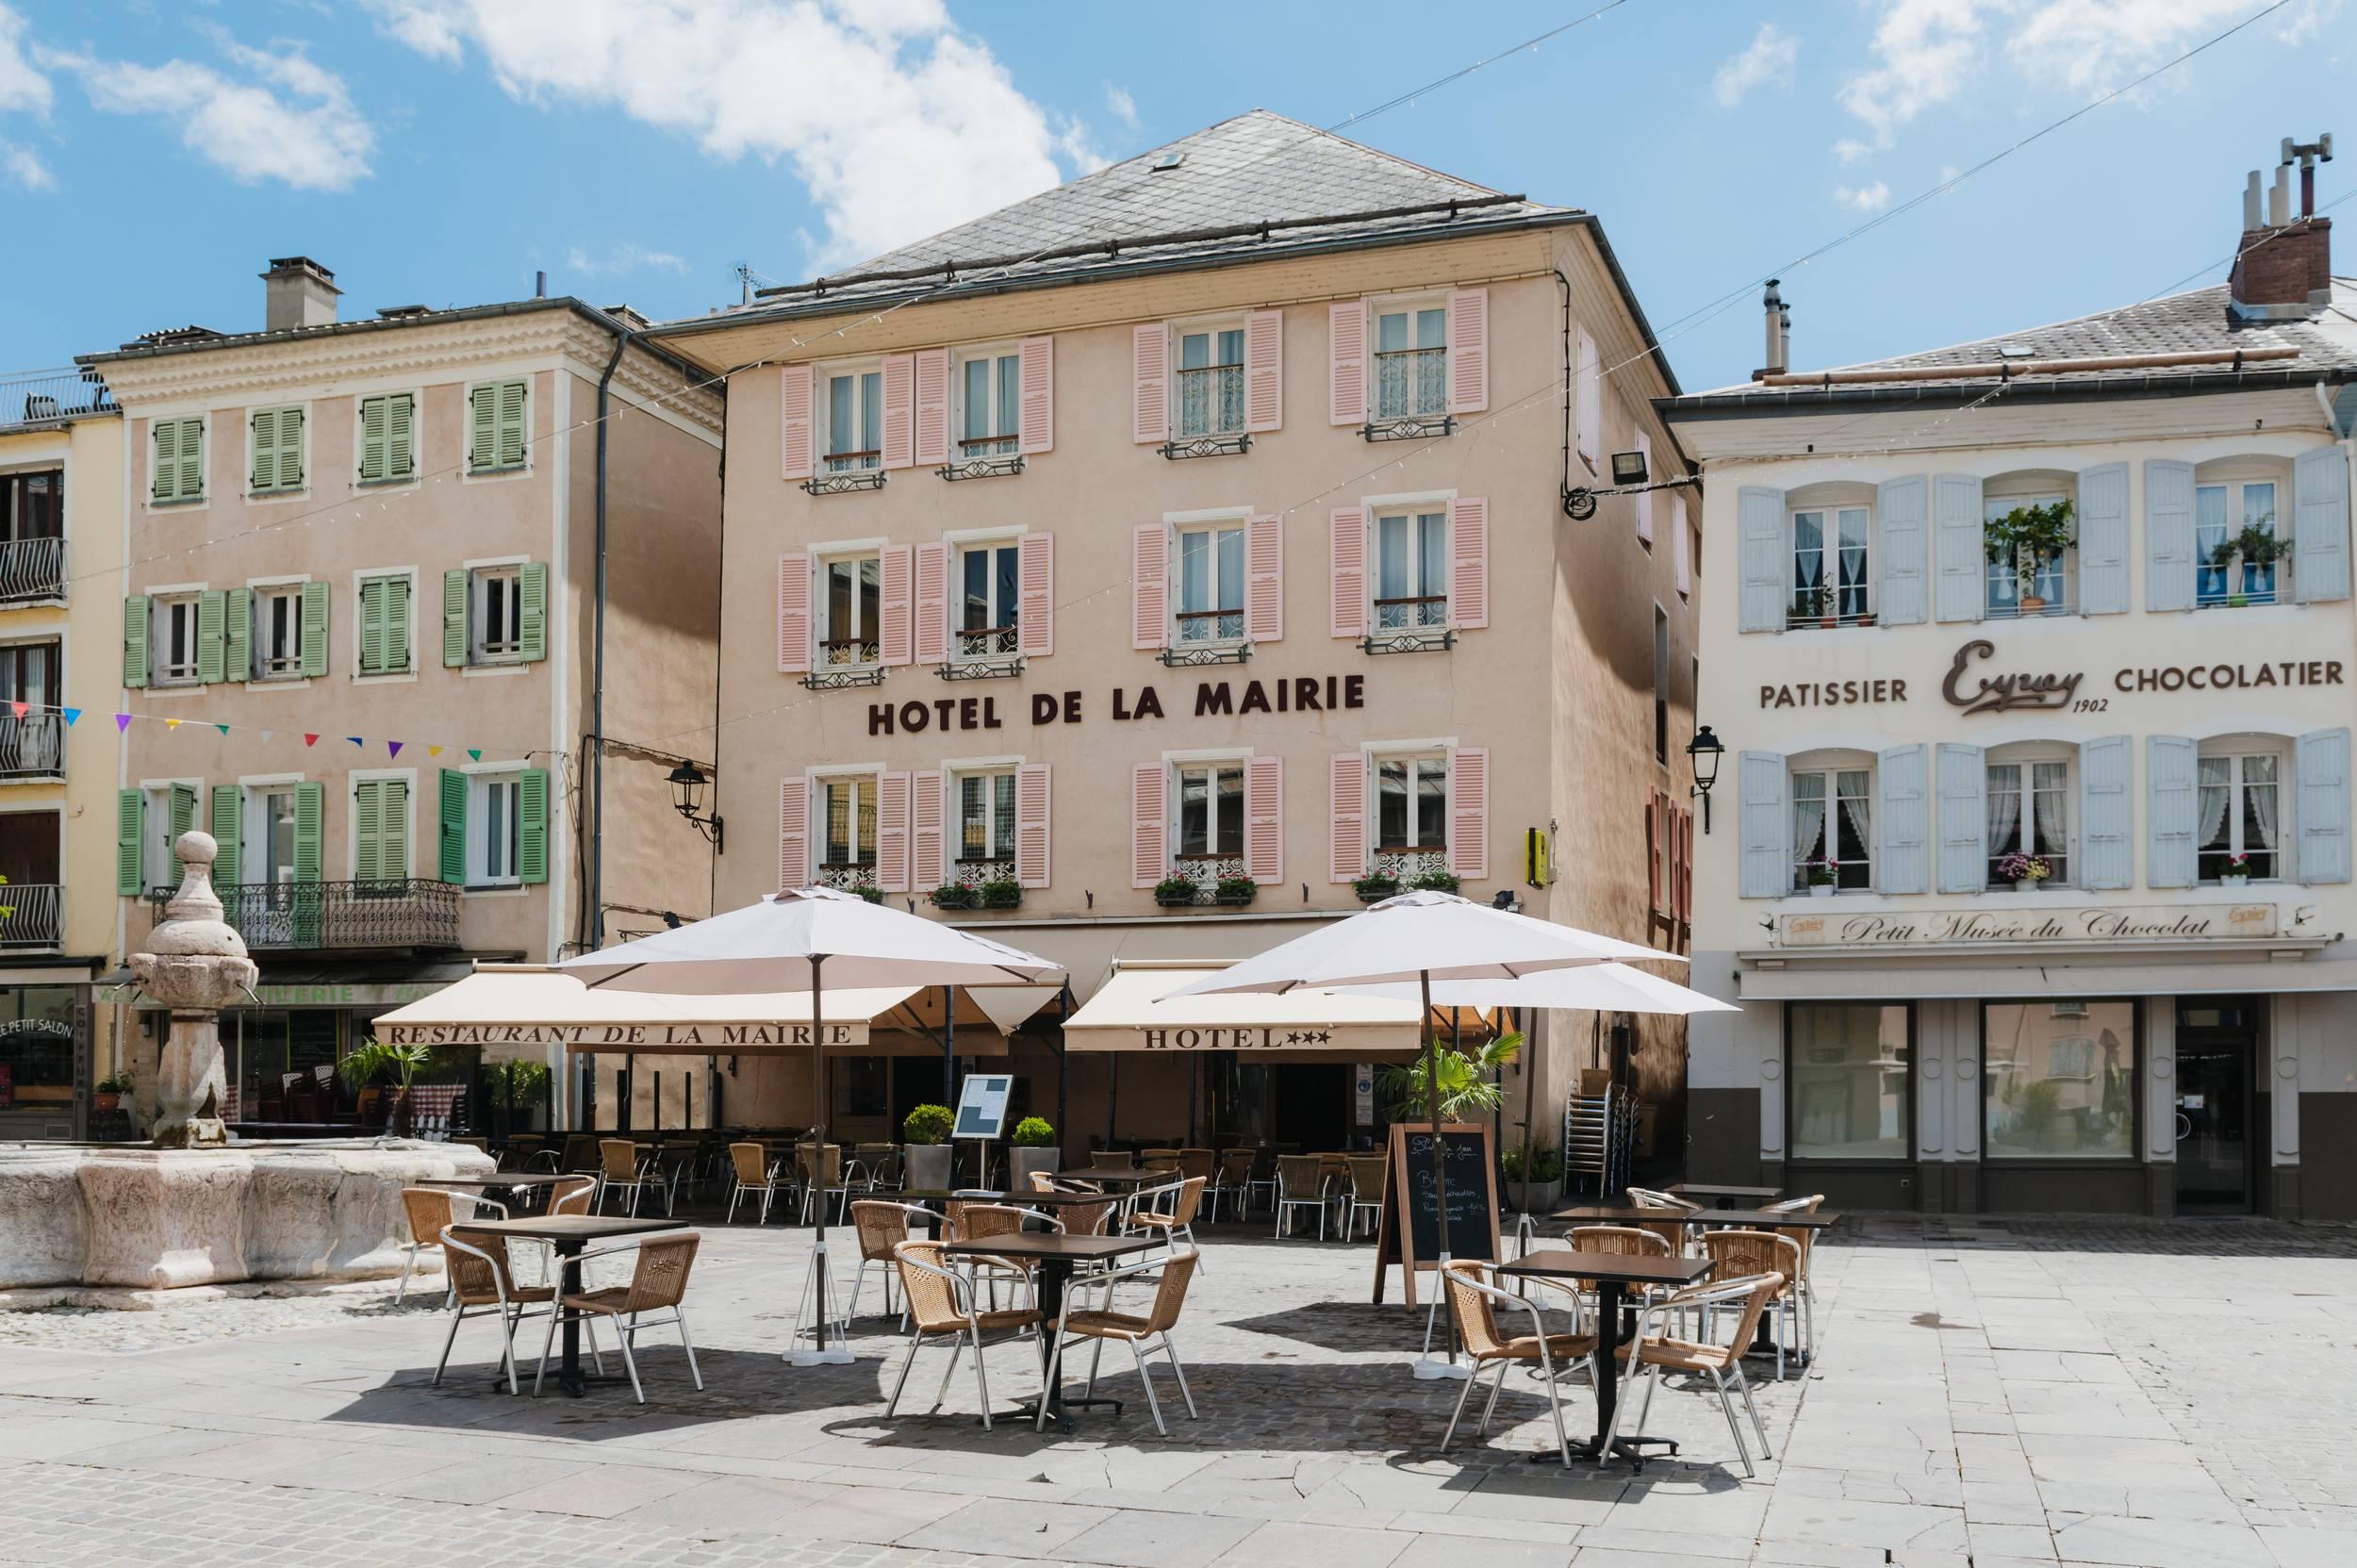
{"x":383,"y":1061}
{"x":1468,"y":1082}
{"x":1035,"y":1151}
{"x":925,"y":1160}
{"x":2024,"y":540}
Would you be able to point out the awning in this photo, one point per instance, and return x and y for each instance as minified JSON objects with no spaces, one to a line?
{"x":1904,"y":983}
{"x":1127,"y":1015}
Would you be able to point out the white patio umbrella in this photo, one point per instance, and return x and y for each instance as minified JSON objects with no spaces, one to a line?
{"x":802,"y":940}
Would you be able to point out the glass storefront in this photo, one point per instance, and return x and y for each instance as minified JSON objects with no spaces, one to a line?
{"x":1849,"y":1065}
{"x":2059,"y":1079}
{"x":40,"y":1041}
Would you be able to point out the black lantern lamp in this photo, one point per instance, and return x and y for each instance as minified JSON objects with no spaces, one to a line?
{"x":687,"y":799}
{"x":1703,"y":750}
{"x":1632,"y":474}
{"x":1628,"y":468}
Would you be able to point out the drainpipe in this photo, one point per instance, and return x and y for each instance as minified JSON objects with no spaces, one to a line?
{"x":622,"y":336}
{"x":1569,"y":394}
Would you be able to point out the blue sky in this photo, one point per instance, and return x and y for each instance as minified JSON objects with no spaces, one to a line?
{"x":153,"y":156}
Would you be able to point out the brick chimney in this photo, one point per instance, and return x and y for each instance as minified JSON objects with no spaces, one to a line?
{"x":297,"y":292}
{"x":2283,"y":266}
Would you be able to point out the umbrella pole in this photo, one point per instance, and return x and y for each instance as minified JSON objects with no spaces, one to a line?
{"x":821,"y":1296}
{"x":1425,"y":1366}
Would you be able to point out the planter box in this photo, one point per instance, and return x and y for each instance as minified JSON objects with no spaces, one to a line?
{"x":925,"y":1168}
{"x":958,"y":900}
{"x":1821,"y":890}
{"x":1533,"y":1198}
{"x":1021,"y":1163}
{"x":1002,"y":902}
{"x":1173,"y":900}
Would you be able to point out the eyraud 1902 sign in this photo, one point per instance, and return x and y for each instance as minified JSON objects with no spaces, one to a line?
{"x":2031,"y":927}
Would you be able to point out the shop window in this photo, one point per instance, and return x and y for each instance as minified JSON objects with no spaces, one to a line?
{"x":2058,"y":1080}
{"x":37,"y":1047}
{"x":1849,"y":1068}
{"x":1832,"y":829}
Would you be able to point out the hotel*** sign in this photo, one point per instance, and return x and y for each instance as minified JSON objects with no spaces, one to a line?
{"x":1989,"y":928}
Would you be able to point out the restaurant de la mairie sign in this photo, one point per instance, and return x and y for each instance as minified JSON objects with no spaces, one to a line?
{"x":1977,"y":681}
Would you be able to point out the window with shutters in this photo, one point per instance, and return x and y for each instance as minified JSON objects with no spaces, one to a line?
{"x":990,"y":593}
{"x":385,"y":627}
{"x":495,"y":615}
{"x":171,"y":811}
{"x":2239,"y":801}
{"x":1411,"y":568}
{"x":269,"y":854}
{"x":1411,"y":359}
{"x":176,"y":460}
{"x":1832,"y":583}
{"x":174,"y":659}
{"x":2024,"y":580}
{"x":387,"y":437}
{"x":1208,"y":394}
{"x":381,"y":831}
{"x":1660,"y":685}
{"x":274,"y":450}
{"x":983,"y":849}
{"x":850,"y":611}
{"x":494,"y":828}
{"x":2240,"y":537}
{"x":1210,"y":581}
{"x":496,"y":430}
{"x":276,"y":636}
{"x":1410,"y":815}
{"x":846,"y":829}
{"x":989,"y":403}
{"x":1833,"y":831}
{"x":2030,"y":800}
{"x":1208,"y":831}
{"x":850,"y":418}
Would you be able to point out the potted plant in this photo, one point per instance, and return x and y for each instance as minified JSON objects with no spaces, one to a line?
{"x":2026,"y":539}
{"x":1002,"y":893}
{"x":107,"y":1092}
{"x":2237,"y":874}
{"x":1822,"y":873}
{"x":518,"y":1088}
{"x":1535,"y":1190}
{"x":1437,"y":881}
{"x":1234,"y":891}
{"x":374,"y":1061}
{"x":957,"y":895}
{"x":1173,"y":892}
{"x":1825,"y":616}
{"x":2024,"y":871}
{"x":926,"y":1160}
{"x":1468,"y":1082}
{"x":1375,"y":887}
{"x":1035,"y":1151}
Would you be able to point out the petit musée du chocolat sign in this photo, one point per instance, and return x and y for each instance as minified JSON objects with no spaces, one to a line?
{"x":1282,"y":694}
{"x":1975,"y":684}
{"x":1989,"y":928}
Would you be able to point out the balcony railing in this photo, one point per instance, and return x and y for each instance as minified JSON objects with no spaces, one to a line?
{"x":48,"y":397}
{"x":32,"y":570}
{"x":35,"y":918}
{"x":1211,"y":401}
{"x":405,"y":912}
{"x":1410,"y":383}
{"x":32,"y":747}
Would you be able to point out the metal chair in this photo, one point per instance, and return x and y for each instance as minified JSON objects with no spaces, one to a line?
{"x":1654,"y":1347}
{"x":430,"y":1211}
{"x":941,"y":1307}
{"x":1300,"y":1185}
{"x":1139,"y":1333}
{"x":1749,"y":1254}
{"x":482,"y":1285}
{"x":1473,"y":1300}
{"x":1803,"y":1237}
{"x":754,"y":1173}
{"x":624,"y":1170}
{"x":1232,"y":1183}
{"x":881,"y":1225}
{"x":1111,"y":1159}
{"x":1364,"y":1196}
{"x":658,"y":1285}
{"x":822,"y":1179}
{"x":1185,"y":1199}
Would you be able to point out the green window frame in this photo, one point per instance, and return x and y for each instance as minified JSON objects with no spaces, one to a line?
{"x":385,"y":625}
{"x":276,"y":445}
{"x":496,"y":426}
{"x":177,"y":465}
{"x":389,"y":452}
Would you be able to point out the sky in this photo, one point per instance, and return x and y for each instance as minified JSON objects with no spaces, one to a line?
{"x":153,"y":157}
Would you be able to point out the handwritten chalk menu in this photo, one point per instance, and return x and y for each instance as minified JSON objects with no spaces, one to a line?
{"x":1411,"y":1189}
{"x":982,"y":1105}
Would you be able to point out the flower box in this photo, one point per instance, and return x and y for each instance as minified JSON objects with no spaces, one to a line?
{"x":1375,"y":889}
{"x":1002,"y":894}
{"x":957,"y":896}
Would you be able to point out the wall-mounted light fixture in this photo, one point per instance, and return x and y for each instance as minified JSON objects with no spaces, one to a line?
{"x":687,"y":799}
{"x":1631,"y":476}
{"x":1705,"y":750}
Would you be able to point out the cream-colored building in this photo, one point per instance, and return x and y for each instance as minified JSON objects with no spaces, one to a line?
{"x":1161,"y":555}
{"x":362,"y":642}
{"x":60,"y":547}
{"x":2034,"y":880}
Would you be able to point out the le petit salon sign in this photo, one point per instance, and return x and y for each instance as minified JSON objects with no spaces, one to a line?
{"x":1975,"y":683}
{"x":2110,"y":923}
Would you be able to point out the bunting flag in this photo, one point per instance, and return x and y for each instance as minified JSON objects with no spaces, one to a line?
{"x":222,"y":728}
{"x":122,"y":722}
{"x":171,"y":723}
{"x":309,"y":739}
{"x":71,"y":715}
{"x":474,"y":753}
{"x":434,"y":750}
{"x":356,"y":740}
{"x":392,"y":748}
{"x":267,"y":734}
{"x":21,"y":708}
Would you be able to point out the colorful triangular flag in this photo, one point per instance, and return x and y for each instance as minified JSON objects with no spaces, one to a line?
{"x":222,"y":728}
{"x":310,"y":739}
{"x":392,"y":748}
{"x":122,"y":722}
{"x":476,"y":752}
{"x":171,"y":723}
{"x":356,"y":740}
{"x":20,"y":708}
{"x":434,"y":750}
{"x":71,"y":715}
{"x":266,"y":734}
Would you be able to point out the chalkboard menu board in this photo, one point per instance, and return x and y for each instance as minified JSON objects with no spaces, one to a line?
{"x":1410,"y":1233}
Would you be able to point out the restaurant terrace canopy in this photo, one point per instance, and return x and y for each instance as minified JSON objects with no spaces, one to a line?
{"x":1128,"y":1013}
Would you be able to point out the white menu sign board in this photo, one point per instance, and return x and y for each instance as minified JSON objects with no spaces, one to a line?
{"x":982,"y":1105}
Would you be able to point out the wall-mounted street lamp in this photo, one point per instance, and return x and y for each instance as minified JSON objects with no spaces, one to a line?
{"x":1703,"y":750}
{"x":1631,"y":476}
{"x":687,"y":799}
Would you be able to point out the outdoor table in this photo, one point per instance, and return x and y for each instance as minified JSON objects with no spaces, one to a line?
{"x":512,"y":1182}
{"x":1053,"y":1257}
{"x":1138,"y":1177}
{"x":1611,"y":1275}
{"x":1720,"y":1189}
{"x":569,"y":1235}
{"x":1764,"y":1340}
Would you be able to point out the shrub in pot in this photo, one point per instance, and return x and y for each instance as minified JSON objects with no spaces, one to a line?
{"x":1536,"y":1189}
{"x":1036,"y":1150}
{"x":1235,"y":890}
{"x":1375,"y":887}
{"x":1174,"y":890}
{"x":926,"y":1160}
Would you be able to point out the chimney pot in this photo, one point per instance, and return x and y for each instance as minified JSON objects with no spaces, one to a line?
{"x":2280,"y":197}
{"x":2283,"y":266}
{"x":1776,"y":325}
{"x":2252,"y":202}
{"x":297,"y":292}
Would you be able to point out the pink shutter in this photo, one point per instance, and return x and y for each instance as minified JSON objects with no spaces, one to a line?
{"x":1149,"y":818}
{"x":1264,"y":819}
{"x":891,"y":833}
{"x":1150,"y":390}
{"x":794,"y":420}
{"x":1681,"y":549}
{"x":1346,"y":338}
{"x":932,"y":604}
{"x":1469,"y":812}
{"x":926,"y":808}
{"x":1469,"y":564}
{"x":1346,"y":817}
{"x":793,"y":832}
{"x":893,"y":636}
{"x":899,"y":408}
{"x":1036,"y":618}
{"x":1030,"y":824}
{"x":1644,"y":498}
{"x":1656,"y":845}
{"x":1039,"y":395}
{"x":931,"y":443}
{"x":1349,"y":562}
{"x":1264,"y":579}
{"x":793,"y":613}
{"x":1468,"y":351}
{"x":1265,"y":370}
{"x":1149,"y":595}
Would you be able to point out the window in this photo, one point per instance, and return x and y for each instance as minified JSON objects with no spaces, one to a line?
{"x":33,"y":745}
{"x":2234,"y":543}
{"x":379,"y":830}
{"x":850,"y":806}
{"x":1411,"y":803}
{"x":277,"y":612}
{"x":2013,"y":582}
{"x":496,"y":615}
{"x":2238,"y":812}
{"x":270,"y":835}
{"x":985,"y":817}
{"x":178,"y":466}
{"x":2059,"y":1079}
{"x":1410,"y":570}
{"x":388,"y":451}
{"x":1589,"y":401}
{"x":38,"y":1045}
{"x":495,"y":428}
{"x":277,"y":444}
{"x":32,"y":507}
{"x":1411,"y":362}
{"x":1211,"y":381}
{"x":2029,"y":815}
{"x":991,"y":417}
{"x":1210,"y":810}
{"x":1210,"y":581}
{"x":1829,"y":580}
{"x":385,"y":623}
{"x":494,"y":824}
{"x":173,"y":618}
{"x":1831,"y":823}
{"x":1849,"y":1073}
{"x":991,"y":593}
{"x":850,"y":603}
{"x":854,"y":408}
{"x":171,"y":811}
{"x":1661,"y":684}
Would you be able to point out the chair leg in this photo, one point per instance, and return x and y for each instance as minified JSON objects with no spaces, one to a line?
{"x":448,"y":1340}
{"x":1554,"y":1401}
{"x":1180,"y":1373}
{"x":556,"y":1314}
{"x":508,"y":1348}
{"x":1152,"y":1403}
{"x":1096,"y":1359}
{"x":957,"y":1349}
{"x":1644,"y":1412}
{"x":1743,"y":1386}
{"x":902,"y":1381}
{"x":859,"y":1278}
{"x":1490,"y":1406}
{"x":408,"y":1262}
{"x":735,"y":1193}
{"x":630,"y":1362}
{"x":1726,"y":1407}
{"x":1458,"y":1414}
{"x":981,"y":1377}
{"x":1612,"y":1428}
{"x":684,"y":1343}
{"x":1055,"y":1368}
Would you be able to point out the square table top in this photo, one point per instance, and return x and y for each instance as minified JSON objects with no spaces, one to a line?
{"x":1720,"y":1189}
{"x":1059,"y":1200}
{"x":1564,"y":1264}
{"x":1136,"y":1177}
{"x":573,"y":1227}
{"x":511,"y":1180}
{"x":1047,"y":1244}
{"x":1760,"y":1218}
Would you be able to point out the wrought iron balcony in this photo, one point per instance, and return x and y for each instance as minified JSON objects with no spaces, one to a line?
{"x":847,"y":662}
{"x":51,"y":397}
{"x":32,"y":747}
{"x":1411,"y":384}
{"x":32,"y":570}
{"x":303,"y":916}
{"x":35,"y":916}
{"x":1405,"y":866}
{"x":1211,"y":401}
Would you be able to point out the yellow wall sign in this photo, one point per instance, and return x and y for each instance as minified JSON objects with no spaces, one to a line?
{"x":1538,"y":858}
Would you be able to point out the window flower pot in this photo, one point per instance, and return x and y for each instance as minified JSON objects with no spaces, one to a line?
{"x":2236,"y":879}
{"x":957,"y":897}
{"x":1821,"y":890}
{"x":1175,"y":892}
{"x":1003,"y":895}
{"x":1375,"y":889}
{"x":1235,"y":891}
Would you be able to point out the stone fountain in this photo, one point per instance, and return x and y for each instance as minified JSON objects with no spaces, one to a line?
{"x":195,"y":964}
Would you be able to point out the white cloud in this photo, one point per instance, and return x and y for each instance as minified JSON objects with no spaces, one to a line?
{"x":1125,"y":108}
{"x":1768,"y":60}
{"x":2091,"y":45}
{"x":26,"y":168}
{"x":1866,"y":198}
{"x":1924,"y":51}
{"x":1850,"y":150}
{"x":895,"y":122}
{"x":21,"y":86}
{"x":282,"y":117}
{"x":623,"y":258}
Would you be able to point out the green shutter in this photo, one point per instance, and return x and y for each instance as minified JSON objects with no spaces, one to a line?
{"x":211,"y":612}
{"x":130,"y":838}
{"x":511,"y":425}
{"x":181,"y":818}
{"x":532,"y":826}
{"x":314,"y":628}
{"x":453,"y":619}
{"x":385,"y":626}
{"x":397,"y":623}
{"x":192,"y":480}
{"x":374,"y":461}
{"x":454,"y":833}
{"x":311,"y":806}
{"x":265,"y":425}
{"x":277,"y":449}
{"x":227,"y":799}
{"x":401,"y":415}
{"x":372,"y":626}
{"x":380,"y":829}
{"x":135,"y":640}
{"x":367,"y":813}
{"x":533,"y":618}
{"x":393,"y":857}
{"x":482,"y":428}
{"x":164,"y":459}
{"x":289,"y":449}
{"x":236,"y":627}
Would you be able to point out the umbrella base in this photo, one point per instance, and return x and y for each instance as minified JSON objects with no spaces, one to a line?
{"x":1431,"y":1369}
{"x":833,"y":1355}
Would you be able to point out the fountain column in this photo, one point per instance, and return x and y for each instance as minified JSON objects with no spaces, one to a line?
{"x":196,"y":964}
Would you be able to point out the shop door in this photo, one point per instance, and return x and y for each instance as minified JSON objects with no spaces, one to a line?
{"x":2216,"y":1044}
{"x":1312,"y":1107}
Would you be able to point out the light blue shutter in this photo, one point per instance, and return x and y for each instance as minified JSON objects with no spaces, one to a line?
{"x":1766,"y":825}
{"x":2106,"y":812}
{"x":2170,"y":859}
{"x":2103,"y":541}
{"x":1902,"y":550}
{"x":2319,"y":525}
{"x":1902,"y":815}
{"x":2168,"y":546}
{"x":1963,"y":564}
{"x":1759,"y":533}
{"x":1963,"y":815}
{"x":2322,"y":769}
